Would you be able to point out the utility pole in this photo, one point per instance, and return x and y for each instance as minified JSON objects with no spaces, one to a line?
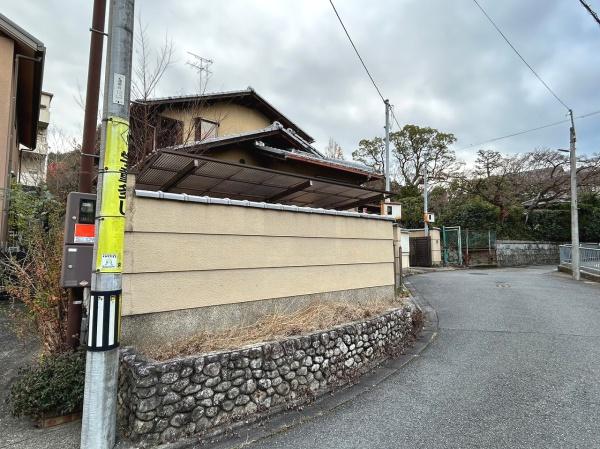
{"x":102,"y":362}
{"x":76,"y":295}
{"x":387,"y":145}
{"x":574,"y":211}
{"x":91,"y":96}
{"x":425,"y":195}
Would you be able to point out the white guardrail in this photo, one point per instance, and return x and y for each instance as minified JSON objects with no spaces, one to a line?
{"x":589,"y":257}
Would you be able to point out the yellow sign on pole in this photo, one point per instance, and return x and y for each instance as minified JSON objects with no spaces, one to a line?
{"x":111,"y":232}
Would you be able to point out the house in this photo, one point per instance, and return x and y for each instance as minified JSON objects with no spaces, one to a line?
{"x":239,"y":128}
{"x":21,"y":72}
{"x":233,"y":213}
{"x":33,"y":163}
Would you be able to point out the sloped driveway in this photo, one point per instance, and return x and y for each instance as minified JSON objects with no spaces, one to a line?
{"x":516,"y":364}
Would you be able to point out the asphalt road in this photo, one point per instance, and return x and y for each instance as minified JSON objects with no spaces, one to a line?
{"x":516,"y":364}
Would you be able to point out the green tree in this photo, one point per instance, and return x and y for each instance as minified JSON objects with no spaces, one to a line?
{"x":589,"y":217}
{"x":413,"y":144}
{"x":371,"y":153}
{"x":471,"y":213}
{"x":412,"y":212}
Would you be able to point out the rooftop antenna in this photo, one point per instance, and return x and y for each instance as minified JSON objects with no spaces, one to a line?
{"x":202,"y":67}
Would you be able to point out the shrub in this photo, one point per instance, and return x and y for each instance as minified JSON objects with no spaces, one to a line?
{"x":470,"y":213}
{"x":32,"y":277}
{"x":52,"y":386}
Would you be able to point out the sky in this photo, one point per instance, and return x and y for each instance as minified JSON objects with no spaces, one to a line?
{"x":440,"y":63}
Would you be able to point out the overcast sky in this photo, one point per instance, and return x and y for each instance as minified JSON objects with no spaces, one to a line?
{"x":439,"y":62}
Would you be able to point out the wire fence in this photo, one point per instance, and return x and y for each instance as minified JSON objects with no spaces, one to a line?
{"x":468,"y":247}
{"x":589,"y":257}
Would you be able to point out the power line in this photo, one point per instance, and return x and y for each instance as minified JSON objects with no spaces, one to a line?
{"x":591,"y":11}
{"x":363,"y":62}
{"x":395,"y":119}
{"x":521,"y":57}
{"x":356,"y":51}
{"x":518,"y":133}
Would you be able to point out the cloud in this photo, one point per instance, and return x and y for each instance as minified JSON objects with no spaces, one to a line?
{"x":440,"y":63}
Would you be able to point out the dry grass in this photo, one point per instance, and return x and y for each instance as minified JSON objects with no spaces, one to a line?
{"x":315,"y":316}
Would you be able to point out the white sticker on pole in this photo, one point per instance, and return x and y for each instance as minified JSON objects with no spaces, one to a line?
{"x":109,"y":261}
{"x":119,"y":89}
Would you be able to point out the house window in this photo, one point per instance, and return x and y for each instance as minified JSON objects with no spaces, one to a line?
{"x":169,"y":132}
{"x":205,"y":129}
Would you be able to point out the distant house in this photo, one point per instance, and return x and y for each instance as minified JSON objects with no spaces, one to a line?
{"x":21,"y":72}
{"x":33,"y":163}
{"x":239,"y":127}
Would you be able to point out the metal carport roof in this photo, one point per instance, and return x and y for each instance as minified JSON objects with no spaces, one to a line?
{"x":180,"y":172}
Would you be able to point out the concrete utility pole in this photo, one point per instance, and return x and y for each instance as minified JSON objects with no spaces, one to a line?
{"x":425,"y":195}
{"x":387,"y":145}
{"x":574,"y":211}
{"x":102,"y":362}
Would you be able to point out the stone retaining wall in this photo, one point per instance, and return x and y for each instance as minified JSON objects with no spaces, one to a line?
{"x":512,"y":253}
{"x":206,"y":394}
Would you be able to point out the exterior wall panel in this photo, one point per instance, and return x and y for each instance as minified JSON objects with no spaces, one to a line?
{"x":181,"y":255}
{"x":232,"y":118}
{"x":7,"y":146}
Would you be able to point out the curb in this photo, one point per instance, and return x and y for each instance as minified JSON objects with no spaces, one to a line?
{"x":282,"y":422}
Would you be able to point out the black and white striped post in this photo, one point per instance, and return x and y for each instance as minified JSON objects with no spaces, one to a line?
{"x":104,"y":321}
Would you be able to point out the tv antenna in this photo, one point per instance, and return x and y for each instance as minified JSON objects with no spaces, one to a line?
{"x":202,"y":67}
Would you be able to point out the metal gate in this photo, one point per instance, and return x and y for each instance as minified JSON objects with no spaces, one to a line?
{"x":420,"y":251}
{"x":452,"y":241}
{"x":468,"y":247}
{"x":479,"y":247}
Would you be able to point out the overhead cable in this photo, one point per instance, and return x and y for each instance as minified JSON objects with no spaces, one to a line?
{"x":356,"y":51}
{"x":518,"y":133}
{"x":591,"y":11}
{"x":520,"y":56}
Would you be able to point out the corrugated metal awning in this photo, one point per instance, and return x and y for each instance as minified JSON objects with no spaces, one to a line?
{"x":179,"y":172}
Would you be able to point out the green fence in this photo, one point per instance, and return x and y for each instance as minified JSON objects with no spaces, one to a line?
{"x":468,"y":247}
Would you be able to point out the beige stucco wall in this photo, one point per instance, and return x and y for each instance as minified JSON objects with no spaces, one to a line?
{"x":183,"y":255}
{"x":232,"y":118}
{"x":7,"y":145}
{"x":405,"y":245}
{"x":436,"y":243}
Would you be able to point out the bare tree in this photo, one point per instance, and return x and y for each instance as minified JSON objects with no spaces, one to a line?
{"x":62,"y":174}
{"x":191,"y":121}
{"x":150,"y":64}
{"x":546,"y":178}
{"x":149,"y":68}
{"x":334,"y":150}
{"x":495,"y":178}
{"x":532,"y":179}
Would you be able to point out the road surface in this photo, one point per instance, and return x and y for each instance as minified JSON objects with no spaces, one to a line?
{"x":516,"y":364}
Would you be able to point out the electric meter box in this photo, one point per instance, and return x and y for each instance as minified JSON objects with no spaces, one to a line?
{"x":392,"y":210}
{"x":80,"y":232}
